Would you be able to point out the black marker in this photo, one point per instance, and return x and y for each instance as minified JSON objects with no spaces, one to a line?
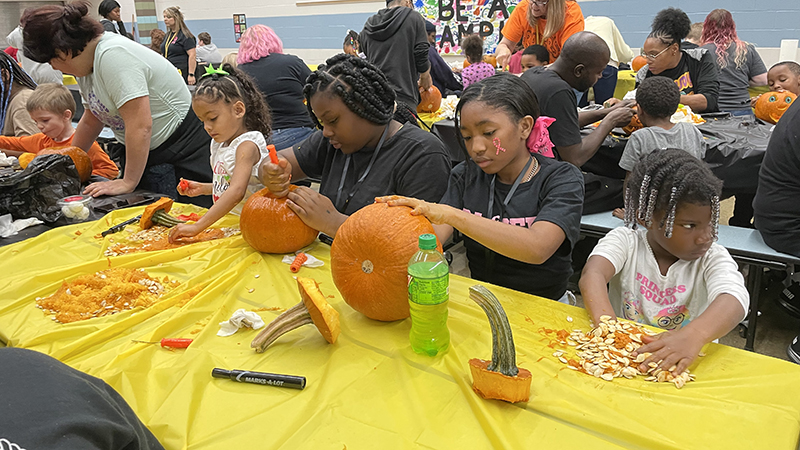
{"x":271,"y":379}
{"x":325,"y":239}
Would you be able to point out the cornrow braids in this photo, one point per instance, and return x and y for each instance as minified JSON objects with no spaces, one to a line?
{"x":670,"y":26}
{"x":666,"y":179}
{"x":11,"y":72}
{"x":234,"y":87}
{"x":362,"y":87}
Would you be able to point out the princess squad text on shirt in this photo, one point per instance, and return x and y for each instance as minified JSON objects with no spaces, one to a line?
{"x":653,"y":293}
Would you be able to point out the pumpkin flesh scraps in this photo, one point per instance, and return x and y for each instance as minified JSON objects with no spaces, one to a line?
{"x":313,"y":308}
{"x":499,"y":378}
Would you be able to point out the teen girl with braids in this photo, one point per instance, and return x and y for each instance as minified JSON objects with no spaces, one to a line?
{"x":236,"y":117}
{"x":694,"y":70}
{"x":16,"y":87}
{"x":361,"y":152}
{"x":519,"y":210}
{"x":670,"y":273}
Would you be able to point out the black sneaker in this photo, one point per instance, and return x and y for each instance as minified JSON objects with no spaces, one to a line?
{"x":790,"y":299}
{"x":794,"y":351}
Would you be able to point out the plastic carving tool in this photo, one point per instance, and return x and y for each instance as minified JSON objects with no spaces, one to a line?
{"x":273,"y":155}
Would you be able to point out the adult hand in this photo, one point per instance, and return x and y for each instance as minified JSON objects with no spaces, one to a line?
{"x":316,"y":210}
{"x":677,"y":348}
{"x":620,"y":116}
{"x":190,"y":188}
{"x":502,"y":54}
{"x":425,"y":81}
{"x":190,"y":79}
{"x":276,"y":177}
{"x":184,"y":230}
{"x":435,"y":212}
{"x":753,"y":100}
{"x":114,"y":187}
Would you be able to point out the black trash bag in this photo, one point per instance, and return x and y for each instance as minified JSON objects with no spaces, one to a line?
{"x":36,"y":191}
{"x":735,"y":148}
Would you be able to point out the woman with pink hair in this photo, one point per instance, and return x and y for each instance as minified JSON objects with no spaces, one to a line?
{"x":281,"y":79}
{"x":739,"y":63}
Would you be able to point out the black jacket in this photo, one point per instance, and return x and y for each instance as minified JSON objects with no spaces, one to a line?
{"x":395,"y":41}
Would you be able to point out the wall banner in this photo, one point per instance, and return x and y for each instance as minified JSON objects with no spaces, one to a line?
{"x":455,"y":19}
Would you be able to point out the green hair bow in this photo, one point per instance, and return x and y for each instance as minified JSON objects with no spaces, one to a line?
{"x":210,"y":70}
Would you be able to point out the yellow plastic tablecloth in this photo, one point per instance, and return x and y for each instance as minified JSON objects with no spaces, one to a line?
{"x":369,"y":390}
{"x":626,"y":81}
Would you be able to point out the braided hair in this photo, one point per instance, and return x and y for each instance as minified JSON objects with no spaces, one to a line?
{"x":670,"y":26}
{"x":362,"y":87}
{"x":237,"y":86}
{"x":11,"y":72}
{"x":665,"y":179}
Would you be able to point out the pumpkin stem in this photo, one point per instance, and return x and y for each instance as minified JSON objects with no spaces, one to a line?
{"x":503,"y":352}
{"x":161,"y":217}
{"x":292,"y":318}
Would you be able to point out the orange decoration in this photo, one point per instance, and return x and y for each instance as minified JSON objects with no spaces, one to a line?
{"x":369,"y":259}
{"x":771,"y":106}
{"x":270,"y":226}
{"x":82,"y":161}
{"x":431,"y":100}
{"x":638,"y":62}
{"x":25,"y":159}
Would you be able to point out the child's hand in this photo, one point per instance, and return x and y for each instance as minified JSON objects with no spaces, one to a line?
{"x":619,"y":213}
{"x":190,"y":188}
{"x":435,"y":212}
{"x":276,"y":177}
{"x":673,"y":348}
{"x":184,"y":230}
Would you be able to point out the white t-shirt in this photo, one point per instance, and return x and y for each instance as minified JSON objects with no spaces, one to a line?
{"x":640,"y":293}
{"x":223,"y":160}
{"x":125,"y":70}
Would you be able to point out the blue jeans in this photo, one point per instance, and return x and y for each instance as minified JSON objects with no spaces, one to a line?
{"x":288,"y":137}
{"x":741,"y":112}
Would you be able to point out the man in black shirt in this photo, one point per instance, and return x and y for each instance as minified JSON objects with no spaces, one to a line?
{"x":395,"y":41}
{"x":581,"y":63}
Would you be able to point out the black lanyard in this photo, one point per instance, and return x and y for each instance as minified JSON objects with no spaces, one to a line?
{"x":510,"y":192}
{"x":488,"y":253}
{"x":342,"y":207}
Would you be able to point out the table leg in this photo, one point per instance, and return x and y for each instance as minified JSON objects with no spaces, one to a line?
{"x":754,"y":285}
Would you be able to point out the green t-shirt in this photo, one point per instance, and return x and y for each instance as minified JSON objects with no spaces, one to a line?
{"x":125,"y":70}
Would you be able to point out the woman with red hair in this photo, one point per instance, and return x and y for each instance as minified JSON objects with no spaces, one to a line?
{"x":739,"y":63}
{"x":281,"y":79}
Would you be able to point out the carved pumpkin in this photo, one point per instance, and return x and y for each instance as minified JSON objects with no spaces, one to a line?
{"x":269,"y":226}
{"x":771,"y":106}
{"x":431,"y":100}
{"x":369,"y":259}
{"x":634,"y":125}
{"x":25,"y":159}
{"x":82,"y":161}
{"x":638,"y":62}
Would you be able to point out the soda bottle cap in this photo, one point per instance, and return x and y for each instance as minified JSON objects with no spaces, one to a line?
{"x":427,"y":241}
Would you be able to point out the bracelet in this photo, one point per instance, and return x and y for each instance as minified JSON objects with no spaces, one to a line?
{"x":191,"y":75}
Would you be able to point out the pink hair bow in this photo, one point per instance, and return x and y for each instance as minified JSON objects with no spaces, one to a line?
{"x":539,"y":139}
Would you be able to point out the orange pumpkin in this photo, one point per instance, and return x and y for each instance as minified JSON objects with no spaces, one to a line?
{"x":25,"y":159}
{"x":638,"y":62}
{"x":466,"y":63}
{"x":369,"y":259}
{"x":82,"y":161}
{"x":491,"y":59}
{"x":771,"y":106}
{"x":431,"y":100}
{"x":634,"y":125}
{"x":270,"y":226}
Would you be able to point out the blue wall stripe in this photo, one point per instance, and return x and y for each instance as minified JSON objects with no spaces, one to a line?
{"x":756,"y":22}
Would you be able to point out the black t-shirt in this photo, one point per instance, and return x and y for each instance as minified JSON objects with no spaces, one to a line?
{"x":175,"y":48}
{"x":554,"y":195}
{"x":776,"y":208}
{"x":281,"y":78}
{"x":556,"y":100}
{"x":696,"y":73}
{"x":48,"y":405}
{"x":412,"y":163}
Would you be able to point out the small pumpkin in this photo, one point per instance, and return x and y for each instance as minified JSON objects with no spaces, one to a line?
{"x":431,"y":100}
{"x":638,"y":62}
{"x":465,"y":64}
{"x":491,"y":59}
{"x":499,"y":378}
{"x":82,"y":161}
{"x":369,"y":259}
{"x":635,"y":124}
{"x":771,"y":106}
{"x":25,"y":159}
{"x":270,"y":226}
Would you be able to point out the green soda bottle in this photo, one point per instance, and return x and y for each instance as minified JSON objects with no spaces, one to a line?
{"x":428,"y":294}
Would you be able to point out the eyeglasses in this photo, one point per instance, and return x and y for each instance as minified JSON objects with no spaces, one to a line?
{"x":653,"y":57}
{"x":535,"y":3}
